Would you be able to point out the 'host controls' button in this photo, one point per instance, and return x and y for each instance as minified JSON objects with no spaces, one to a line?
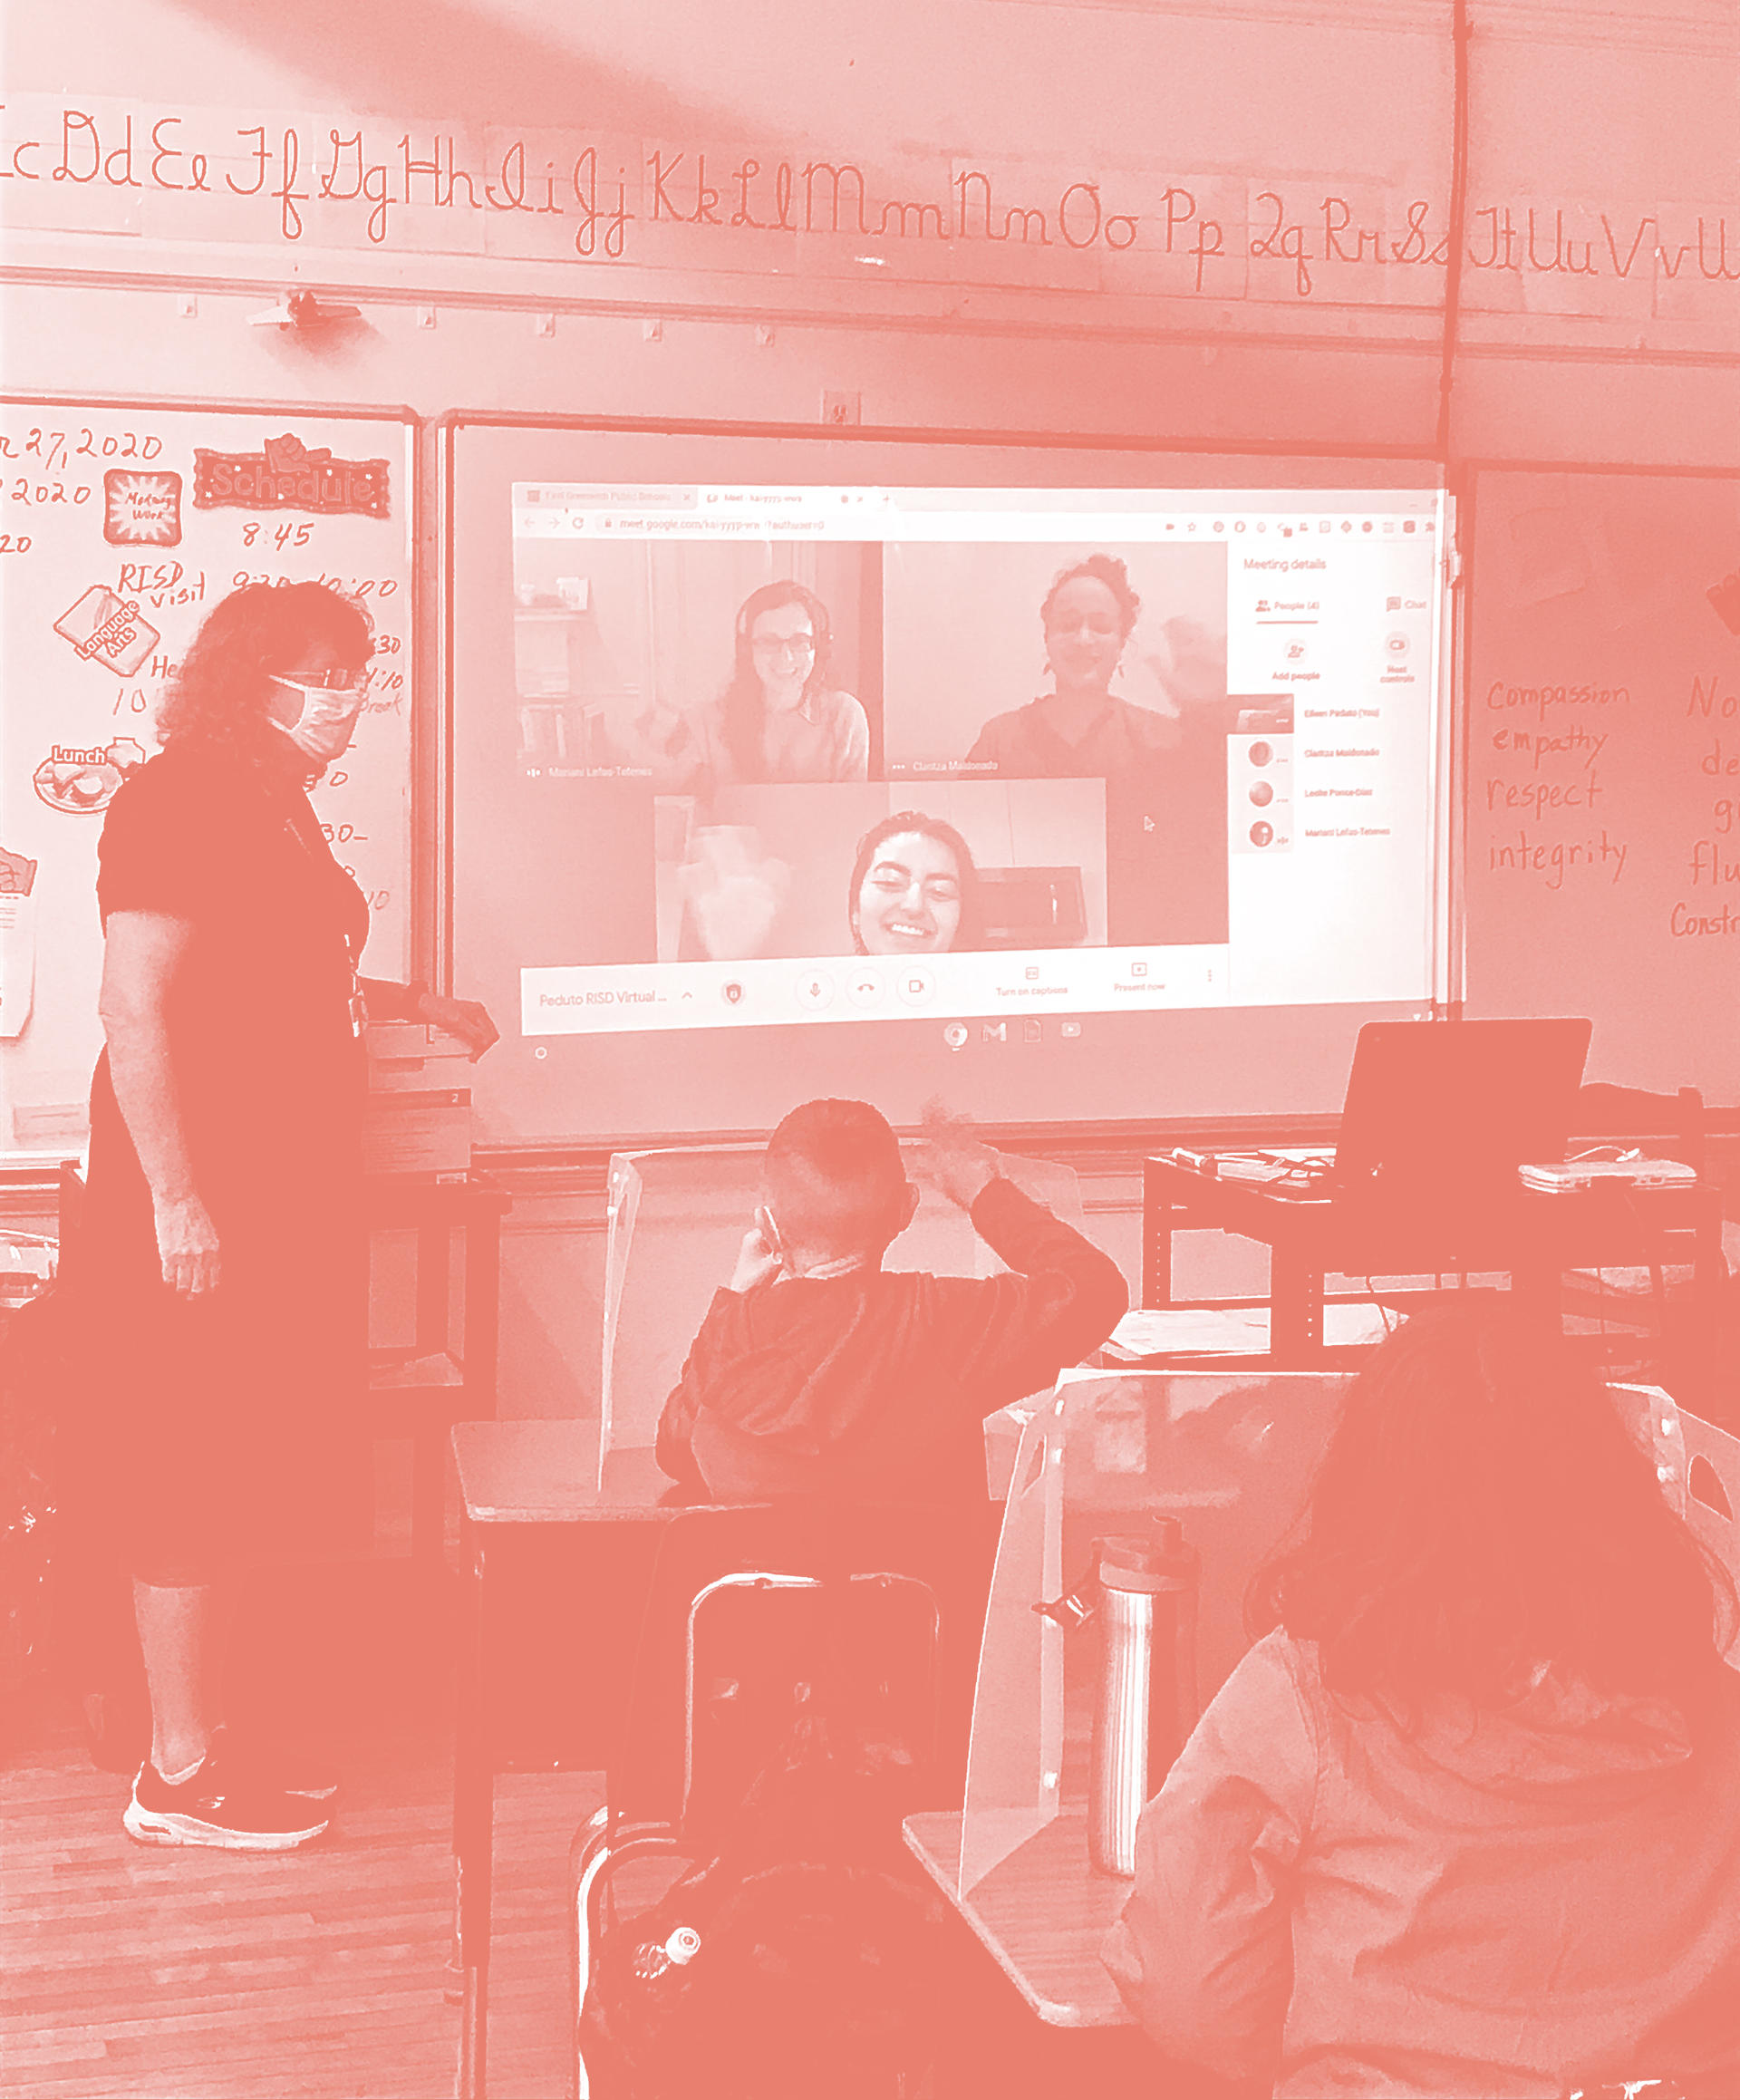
{"x":915,"y":985}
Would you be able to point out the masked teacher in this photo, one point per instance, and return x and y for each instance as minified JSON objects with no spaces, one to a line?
{"x":221,"y":1258}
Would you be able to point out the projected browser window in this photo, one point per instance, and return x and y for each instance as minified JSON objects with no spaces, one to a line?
{"x":836,"y":754}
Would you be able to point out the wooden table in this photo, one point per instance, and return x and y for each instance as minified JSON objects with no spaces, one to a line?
{"x":1041,"y":1914}
{"x":556,"y":1570}
{"x":1531,"y":1237}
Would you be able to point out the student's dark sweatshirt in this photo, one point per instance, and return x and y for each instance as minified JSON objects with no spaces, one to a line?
{"x":874,"y":1385}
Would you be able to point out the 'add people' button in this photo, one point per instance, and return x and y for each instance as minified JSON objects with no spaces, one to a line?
{"x":815,"y":989}
{"x":915,"y":985}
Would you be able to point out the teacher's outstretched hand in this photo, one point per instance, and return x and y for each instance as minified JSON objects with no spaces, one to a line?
{"x":464,"y":1018}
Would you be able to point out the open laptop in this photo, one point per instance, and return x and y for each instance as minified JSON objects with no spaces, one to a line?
{"x":1446,"y":1111}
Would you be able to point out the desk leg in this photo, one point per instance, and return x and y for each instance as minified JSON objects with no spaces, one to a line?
{"x":1295,"y":1313}
{"x":473,"y":1833}
{"x":1709,"y":1281}
{"x":429,"y":1500}
{"x":429,"y":1450}
{"x":1158,"y":1215}
{"x":482,"y":1309}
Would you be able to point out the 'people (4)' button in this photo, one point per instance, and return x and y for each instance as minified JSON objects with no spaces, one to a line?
{"x":915,"y":985}
{"x":815,"y":990}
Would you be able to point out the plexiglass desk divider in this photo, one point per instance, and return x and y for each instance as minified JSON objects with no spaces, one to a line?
{"x":1231,"y":1455}
{"x":1654,"y":1421}
{"x":622,"y":1204}
{"x":675,"y":1220}
{"x":1712,"y":1497}
{"x":1015,"y":1754}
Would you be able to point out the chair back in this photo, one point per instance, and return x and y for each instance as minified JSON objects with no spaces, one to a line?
{"x":869,"y":1614}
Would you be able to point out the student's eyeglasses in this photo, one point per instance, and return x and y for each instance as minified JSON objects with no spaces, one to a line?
{"x":341,"y":678}
{"x":798,"y":646}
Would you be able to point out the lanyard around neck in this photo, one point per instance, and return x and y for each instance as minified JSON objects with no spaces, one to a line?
{"x":358,"y":1011}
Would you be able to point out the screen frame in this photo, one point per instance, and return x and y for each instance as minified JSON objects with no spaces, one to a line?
{"x":1342,"y":464}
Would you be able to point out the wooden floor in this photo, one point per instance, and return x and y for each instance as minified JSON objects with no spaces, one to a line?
{"x":129,"y":1972}
{"x":138,"y":1974}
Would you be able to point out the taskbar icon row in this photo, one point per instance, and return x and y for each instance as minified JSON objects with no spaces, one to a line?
{"x":766,"y":990}
{"x":866,"y":987}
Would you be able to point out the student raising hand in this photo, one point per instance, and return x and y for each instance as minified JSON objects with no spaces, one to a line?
{"x":953,"y":1159}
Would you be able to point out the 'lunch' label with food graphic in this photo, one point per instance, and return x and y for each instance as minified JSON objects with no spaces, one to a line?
{"x":78,"y":782}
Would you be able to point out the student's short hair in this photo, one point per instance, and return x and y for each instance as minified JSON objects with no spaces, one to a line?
{"x":835,"y":1178}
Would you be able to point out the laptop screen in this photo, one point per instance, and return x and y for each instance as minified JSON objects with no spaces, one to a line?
{"x":1458,"y":1106}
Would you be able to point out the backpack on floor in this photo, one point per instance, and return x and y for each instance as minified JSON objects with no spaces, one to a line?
{"x":805,"y":1956}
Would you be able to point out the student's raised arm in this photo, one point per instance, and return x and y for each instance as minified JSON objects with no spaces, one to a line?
{"x":1061,"y":1299}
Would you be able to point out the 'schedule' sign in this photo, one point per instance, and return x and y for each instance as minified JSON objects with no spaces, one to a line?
{"x":287,"y":475}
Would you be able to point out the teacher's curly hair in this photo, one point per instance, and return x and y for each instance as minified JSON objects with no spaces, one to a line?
{"x":217,"y":694}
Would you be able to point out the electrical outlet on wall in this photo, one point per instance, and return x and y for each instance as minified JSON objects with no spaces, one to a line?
{"x":840,"y":409}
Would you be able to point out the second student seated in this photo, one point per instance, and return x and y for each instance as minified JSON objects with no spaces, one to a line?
{"x":817,"y":1371}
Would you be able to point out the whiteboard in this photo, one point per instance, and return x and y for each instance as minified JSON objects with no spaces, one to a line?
{"x":121,"y":525}
{"x":1604,"y":777}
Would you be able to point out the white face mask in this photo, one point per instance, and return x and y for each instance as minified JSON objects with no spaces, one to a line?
{"x":324,"y":728}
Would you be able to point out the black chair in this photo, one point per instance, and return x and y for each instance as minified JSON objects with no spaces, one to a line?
{"x":867,"y":1615}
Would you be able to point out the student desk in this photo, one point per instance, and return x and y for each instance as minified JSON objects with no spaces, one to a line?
{"x":1531,"y":1237}
{"x":556,"y":1570}
{"x":1040,"y":1915}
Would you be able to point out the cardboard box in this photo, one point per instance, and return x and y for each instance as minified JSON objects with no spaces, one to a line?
{"x":418,"y":1117}
{"x":418,"y":1133}
{"x":412,"y":1056}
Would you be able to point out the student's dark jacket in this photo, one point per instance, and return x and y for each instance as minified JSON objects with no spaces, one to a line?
{"x":874,"y":1385}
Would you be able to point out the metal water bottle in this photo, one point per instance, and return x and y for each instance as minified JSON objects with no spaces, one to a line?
{"x":1145,"y":1600}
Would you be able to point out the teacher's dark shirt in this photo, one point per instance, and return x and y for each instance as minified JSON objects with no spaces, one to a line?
{"x":266,"y":1066}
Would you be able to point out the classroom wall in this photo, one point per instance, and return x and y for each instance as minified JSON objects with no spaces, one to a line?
{"x":1602,"y":248}
{"x":1601,"y":286}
